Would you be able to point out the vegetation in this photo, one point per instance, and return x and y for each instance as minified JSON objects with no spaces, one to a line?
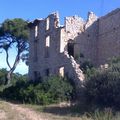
{"x":103,"y":86}
{"x":106,"y":114}
{"x":3,"y":73}
{"x":86,"y":66}
{"x":13,"y":34}
{"x":101,"y":92}
{"x":50,"y":90}
{"x":15,"y":77}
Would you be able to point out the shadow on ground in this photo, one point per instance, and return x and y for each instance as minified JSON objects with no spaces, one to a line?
{"x":72,"y":110}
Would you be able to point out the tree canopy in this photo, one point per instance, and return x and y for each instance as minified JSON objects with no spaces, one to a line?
{"x":14,"y":33}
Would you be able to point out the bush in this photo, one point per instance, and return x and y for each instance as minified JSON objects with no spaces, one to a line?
{"x":3,"y":73}
{"x":103,"y":87}
{"x":106,"y":114}
{"x":86,"y":65}
{"x":60,"y":89}
{"x":50,"y":90}
{"x":15,"y":77}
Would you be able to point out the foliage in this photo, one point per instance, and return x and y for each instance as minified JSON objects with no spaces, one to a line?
{"x":85,"y":66}
{"x":106,"y":114}
{"x":15,"y":77}
{"x":50,"y":90}
{"x":58,"y":87}
{"x":3,"y":73}
{"x":16,"y":28}
{"x":14,"y":34}
{"x":103,"y":86}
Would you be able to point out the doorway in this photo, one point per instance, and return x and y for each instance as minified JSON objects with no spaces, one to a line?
{"x":70,"y":48}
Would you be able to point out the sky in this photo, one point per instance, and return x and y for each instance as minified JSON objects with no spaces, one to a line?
{"x":32,"y":9}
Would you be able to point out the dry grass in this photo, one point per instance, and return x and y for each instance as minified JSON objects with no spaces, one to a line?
{"x":15,"y":112}
{"x":56,"y":112}
{"x":10,"y":111}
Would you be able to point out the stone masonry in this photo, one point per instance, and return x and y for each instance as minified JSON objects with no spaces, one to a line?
{"x":55,"y":49}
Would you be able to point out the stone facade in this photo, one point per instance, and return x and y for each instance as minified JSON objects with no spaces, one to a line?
{"x":54,"y":48}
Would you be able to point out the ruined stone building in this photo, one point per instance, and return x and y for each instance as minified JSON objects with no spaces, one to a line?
{"x":55,"y":49}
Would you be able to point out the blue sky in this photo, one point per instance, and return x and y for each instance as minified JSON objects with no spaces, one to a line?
{"x":31,"y":9}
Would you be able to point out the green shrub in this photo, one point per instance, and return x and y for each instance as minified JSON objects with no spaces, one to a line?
{"x":106,"y":114}
{"x":60,"y":89}
{"x":3,"y":72}
{"x":51,"y":90}
{"x":103,"y":87}
{"x":86,"y":65}
{"x":15,"y":77}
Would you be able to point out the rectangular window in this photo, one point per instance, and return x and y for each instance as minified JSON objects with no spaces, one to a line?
{"x":46,"y":52}
{"x":47,"y":46}
{"x":47,"y":24}
{"x":35,"y":51}
{"x":47,"y":72}
{"x":61,"y":71}
{"x":36,"y":31}
{"x":35,"y":75}
{"x":47,"y":41}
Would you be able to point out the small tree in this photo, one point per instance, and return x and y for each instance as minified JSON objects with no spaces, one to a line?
{"x":13,"y":33}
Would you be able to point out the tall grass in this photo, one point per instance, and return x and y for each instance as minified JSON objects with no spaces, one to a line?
{"x":106,"y":114}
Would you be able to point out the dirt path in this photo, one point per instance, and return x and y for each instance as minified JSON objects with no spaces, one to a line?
{"x":9,"y":111}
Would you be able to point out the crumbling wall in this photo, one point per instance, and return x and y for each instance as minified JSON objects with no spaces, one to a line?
{"x":46,"y":45}
{"x":96,"y":39}
{"x":73,"y":26}
{"x":84,"y":35}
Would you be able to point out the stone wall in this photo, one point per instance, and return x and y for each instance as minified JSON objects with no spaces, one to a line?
{"x":45,"y":47}
{"x":86,"y":41}
{"x":109,"y":36}
{"x":98,"y":39}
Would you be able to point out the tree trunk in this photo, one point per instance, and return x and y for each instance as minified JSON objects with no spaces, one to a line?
{"x":10,"y":72}
{"x":8,"y":77}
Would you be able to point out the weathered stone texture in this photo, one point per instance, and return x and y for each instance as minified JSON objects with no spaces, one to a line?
{"x":51,"y":45}
{"x":109,"y":36}
{"x":73,"y":26}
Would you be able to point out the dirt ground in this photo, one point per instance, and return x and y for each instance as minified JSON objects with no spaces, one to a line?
{"x":10,"y":111}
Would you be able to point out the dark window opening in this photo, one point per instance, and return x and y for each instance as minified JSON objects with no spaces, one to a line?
{"x":35,"y":52}
{"x":47,"y":72}
{"x":81,"y":55}
{"x":35,"y":75}
{"x":88,"y":35}
{"x":47,"y":52}
{"x":71,"y":49}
